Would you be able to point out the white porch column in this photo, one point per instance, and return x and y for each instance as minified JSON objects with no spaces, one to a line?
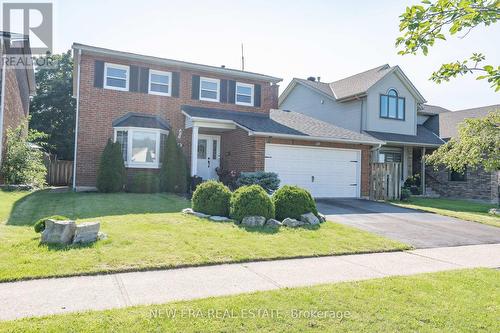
{"x":194,"y":151}
{"x":422,"y":171}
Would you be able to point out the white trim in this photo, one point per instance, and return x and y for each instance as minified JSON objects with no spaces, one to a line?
{"x":314,"y":138}
{"x":216,"y":81}
{"x":77,"y":113}
{"x":194,"y":151}
{"x":169,"y":84}
{"x":118,"y":66}
{"x":252,"y":94}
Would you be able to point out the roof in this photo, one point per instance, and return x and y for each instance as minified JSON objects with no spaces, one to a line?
{"x":132,"y":119}
{"x":424,"y":137}
{"x":19,"y":43}
{"x":175,"y":63}
{"x":449,"y":121}
{"x":431,"y":110}
{"x":281,"y":123}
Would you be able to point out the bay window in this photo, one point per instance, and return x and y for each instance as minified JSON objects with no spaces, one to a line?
{"x":141,"y":147}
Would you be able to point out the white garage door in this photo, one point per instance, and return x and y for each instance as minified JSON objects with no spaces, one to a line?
{"x":325,"y":172}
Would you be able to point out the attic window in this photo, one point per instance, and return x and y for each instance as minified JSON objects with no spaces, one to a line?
{"x":392,"y":106}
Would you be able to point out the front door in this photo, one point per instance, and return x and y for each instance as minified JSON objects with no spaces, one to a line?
{"x":208,"y":156}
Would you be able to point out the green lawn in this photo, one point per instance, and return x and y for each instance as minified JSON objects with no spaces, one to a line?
{"x":465,"y":210}
{"x":455,"y":301}
{"x":145,"y":231}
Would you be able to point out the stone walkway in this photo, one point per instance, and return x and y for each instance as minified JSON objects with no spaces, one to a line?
{"x":61,"y":295}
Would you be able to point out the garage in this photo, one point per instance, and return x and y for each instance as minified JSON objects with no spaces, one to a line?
{"x":325,"y":172}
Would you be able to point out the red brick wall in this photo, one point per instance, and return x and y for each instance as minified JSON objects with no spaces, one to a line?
{"x":241,"y":152}
{"x":99,"y":107}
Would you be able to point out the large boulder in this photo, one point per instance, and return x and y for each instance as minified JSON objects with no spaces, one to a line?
{"x":219,"y":218}
{"x":293,"y":223}
{"x":273,"y":223}
{"x":322,"y":218}
{"x":494,"y":211}
{"x":86,"y":232}
{"x":60,"y":232}
{"x":253,"y":221}
{"x":309,"y":218}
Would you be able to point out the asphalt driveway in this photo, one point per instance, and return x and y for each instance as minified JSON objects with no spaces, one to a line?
{"x":413,"y":227}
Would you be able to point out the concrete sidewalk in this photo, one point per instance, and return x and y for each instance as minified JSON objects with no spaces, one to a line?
{"x":60,"y":295}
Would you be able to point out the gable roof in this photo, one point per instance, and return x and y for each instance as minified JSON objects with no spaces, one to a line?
{"x":449,"y":121}
{"x":132,"y":119}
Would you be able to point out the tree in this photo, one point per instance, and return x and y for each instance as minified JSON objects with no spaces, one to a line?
{"x":111,"y":172}
{"x":174,"y":168}
{"x":422,"y":25}
{"x":53,"y":108}
{"x":477,"y":145}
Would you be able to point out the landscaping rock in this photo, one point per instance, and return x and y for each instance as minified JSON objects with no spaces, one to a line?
{"x":86,"y":232}
{"x":309,"y":218}
{"x":494,"y":211}
{"x":188,"y":211}
{"x":203,"y":216}
{"x":219,"y":218}
{"x":60,"y":232}
{"x":273,"y":223}
{"x":253,"y":221}
{"x":293,"y":223}
{"x":102,"y":236}
{"x":322,"y":218}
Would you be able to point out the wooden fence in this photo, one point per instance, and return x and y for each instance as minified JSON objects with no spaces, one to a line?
{"x":59,"y":173}
{"x":385,"y":182}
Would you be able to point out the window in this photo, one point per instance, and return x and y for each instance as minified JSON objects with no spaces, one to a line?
{"x":159,"y":82}
{"x":141,"y":147}
{"x":456,"y":176}
{"x":116,"y":77}
{"x":209,"y":89}
{"x":163,"y":145}
{"x":244,"y":94}
{"x":391,"y":157}
{"x":392,"y":106}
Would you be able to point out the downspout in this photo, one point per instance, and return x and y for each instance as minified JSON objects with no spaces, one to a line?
{"x":2,"y":101}
{"x":76,"y":122}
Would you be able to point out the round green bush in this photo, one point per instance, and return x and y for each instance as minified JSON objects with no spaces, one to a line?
{"x":212,"y":198}
{"x":251,"y":200}
{"x":40,"y":224}
{"x":144,"y":182}
{"x":293,"y":201}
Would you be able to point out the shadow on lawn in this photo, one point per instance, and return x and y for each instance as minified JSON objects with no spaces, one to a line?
{"x":273,"y":230}
{"x":27,"y":210}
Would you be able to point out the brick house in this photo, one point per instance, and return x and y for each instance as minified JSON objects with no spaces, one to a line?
{"x":222,"y":118}
{"x":17,"y":84}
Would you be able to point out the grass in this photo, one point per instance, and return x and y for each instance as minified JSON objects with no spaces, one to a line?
{"x":454,"y":301}
{"x":461,"y":209}
{"x":145,"y":231}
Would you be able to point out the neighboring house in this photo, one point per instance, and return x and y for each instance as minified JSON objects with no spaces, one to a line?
{"x":472,"y":184}
{"x":17,"y":85}
{"x":381,"y":102}
{"x":222,"y":117}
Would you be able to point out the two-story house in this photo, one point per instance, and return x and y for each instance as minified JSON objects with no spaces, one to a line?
{"x":222,"y":117}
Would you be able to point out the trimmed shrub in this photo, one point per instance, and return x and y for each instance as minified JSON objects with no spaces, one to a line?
{"x":405,"y":194}
{"x":111,"y":172}
{"x":40,"y":224}
{"x":293,"y":201}
{"x":212,"y":198}
{"x":144,"y":182}
{"x":251,"y":200}
{"x":174,"y":169}
{"x":269,"y":181}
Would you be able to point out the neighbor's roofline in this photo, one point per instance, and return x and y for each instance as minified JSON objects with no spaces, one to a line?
{"x":170,"y":62}
{"x":292,"y":85}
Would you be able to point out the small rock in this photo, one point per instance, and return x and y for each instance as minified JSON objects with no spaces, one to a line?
{"x":60,"y":232}
{"x":494,"y":211}
{"x":322,"y":218}
{"x":273,"y":223}
{"x":219,"y":218}
{"x":253,"y":221}
{"x":102,"y":236}
{"x":203,"y":216}
{"x":293,"y":223}
{"x":86,"y":232}
{"x":188,"y":211}
{"x":309,"y":218}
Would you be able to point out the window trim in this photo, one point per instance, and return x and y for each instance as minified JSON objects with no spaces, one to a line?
{"x":118,"y":66}
{"x":252,"y":95}
{"x":217,"y":81}
{"x":398,"y":98}
{"x":157,"y":72}
{"x":130,"y":131}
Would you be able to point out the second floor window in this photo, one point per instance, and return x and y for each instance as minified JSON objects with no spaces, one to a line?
{"x":244,"y":94}
{"x":392,"y":106}
{"x":209,"y":89}
{"x":116,"y":77}
{"x":159,"y":82}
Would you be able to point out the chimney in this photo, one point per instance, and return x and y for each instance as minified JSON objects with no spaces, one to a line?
{"x":222,"y":66}
{"x":311,"y":78}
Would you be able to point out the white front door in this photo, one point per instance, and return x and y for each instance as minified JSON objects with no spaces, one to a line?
{"x":208,"y":156}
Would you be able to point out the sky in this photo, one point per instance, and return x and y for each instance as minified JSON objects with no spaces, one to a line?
{"x":331,"y":39}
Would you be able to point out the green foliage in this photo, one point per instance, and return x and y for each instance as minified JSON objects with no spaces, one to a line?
{"x":405,"y":194}
{"x":269,"y":181}
{"x":39,"y":225}
{"x":422,"y":25}
{"x":53,"y":107}
{"x":293,"y":201}
{"x":212,"y":198}
{"x":23,"y":164}
{"x":144,"y":182}
{"x":251,"y":200}
{"x":477,"y":145}
{"x":174,"y":170}
{"x":111,"y":172}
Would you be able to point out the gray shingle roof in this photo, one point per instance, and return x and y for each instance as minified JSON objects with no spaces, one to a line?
{"x":321,"y":86}
{"x":432,"y":109}
{"x":424,"y":136}
{"x":449,"y":121}
{"x":132,"y":119}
